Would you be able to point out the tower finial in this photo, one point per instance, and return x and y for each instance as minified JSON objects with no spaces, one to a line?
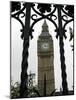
{"x":44,"y":20}
{"x":44,"y":24}
{"x":45,"y":31}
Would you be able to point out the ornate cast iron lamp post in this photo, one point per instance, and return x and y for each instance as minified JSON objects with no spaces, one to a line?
{"x":27,"y":29}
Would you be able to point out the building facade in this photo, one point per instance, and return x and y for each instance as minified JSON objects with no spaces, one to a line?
{"x":45,"y":51}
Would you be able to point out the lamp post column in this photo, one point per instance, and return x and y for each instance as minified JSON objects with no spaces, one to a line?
{"x":62,"y":58}
{"x":24,"y":65}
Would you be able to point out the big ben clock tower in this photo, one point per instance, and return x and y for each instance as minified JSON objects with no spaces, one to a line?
{"x":46,"y":83}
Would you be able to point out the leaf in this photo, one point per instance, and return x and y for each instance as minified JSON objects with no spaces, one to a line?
{"x":15,"y":6}
{"x":44,"y":8}
{"x":70,"y":10}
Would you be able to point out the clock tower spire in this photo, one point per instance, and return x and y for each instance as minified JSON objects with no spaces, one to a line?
{"x":45,"y":31}
{"x":46,"y":84}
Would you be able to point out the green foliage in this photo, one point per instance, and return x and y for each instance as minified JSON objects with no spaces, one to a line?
{"x":15,"y":90}
{"x":33,"y":92}
{"x":32,"y":89}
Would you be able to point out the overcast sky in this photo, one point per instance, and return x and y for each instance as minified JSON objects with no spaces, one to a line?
{"x":17,"y":46}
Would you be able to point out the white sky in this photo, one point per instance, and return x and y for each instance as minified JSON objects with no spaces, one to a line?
{"x":17,"y":45}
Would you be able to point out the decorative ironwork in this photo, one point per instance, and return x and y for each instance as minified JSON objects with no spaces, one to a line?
{"x":24,"y":76}
{"x":27,"y":32}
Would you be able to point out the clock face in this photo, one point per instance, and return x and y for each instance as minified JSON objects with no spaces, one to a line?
{"x":45,"y":46}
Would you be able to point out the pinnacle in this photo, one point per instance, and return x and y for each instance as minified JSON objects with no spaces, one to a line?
{"x":44,"y":24}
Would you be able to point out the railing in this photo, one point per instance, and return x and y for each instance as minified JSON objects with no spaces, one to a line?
{"x":24,"y":10}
